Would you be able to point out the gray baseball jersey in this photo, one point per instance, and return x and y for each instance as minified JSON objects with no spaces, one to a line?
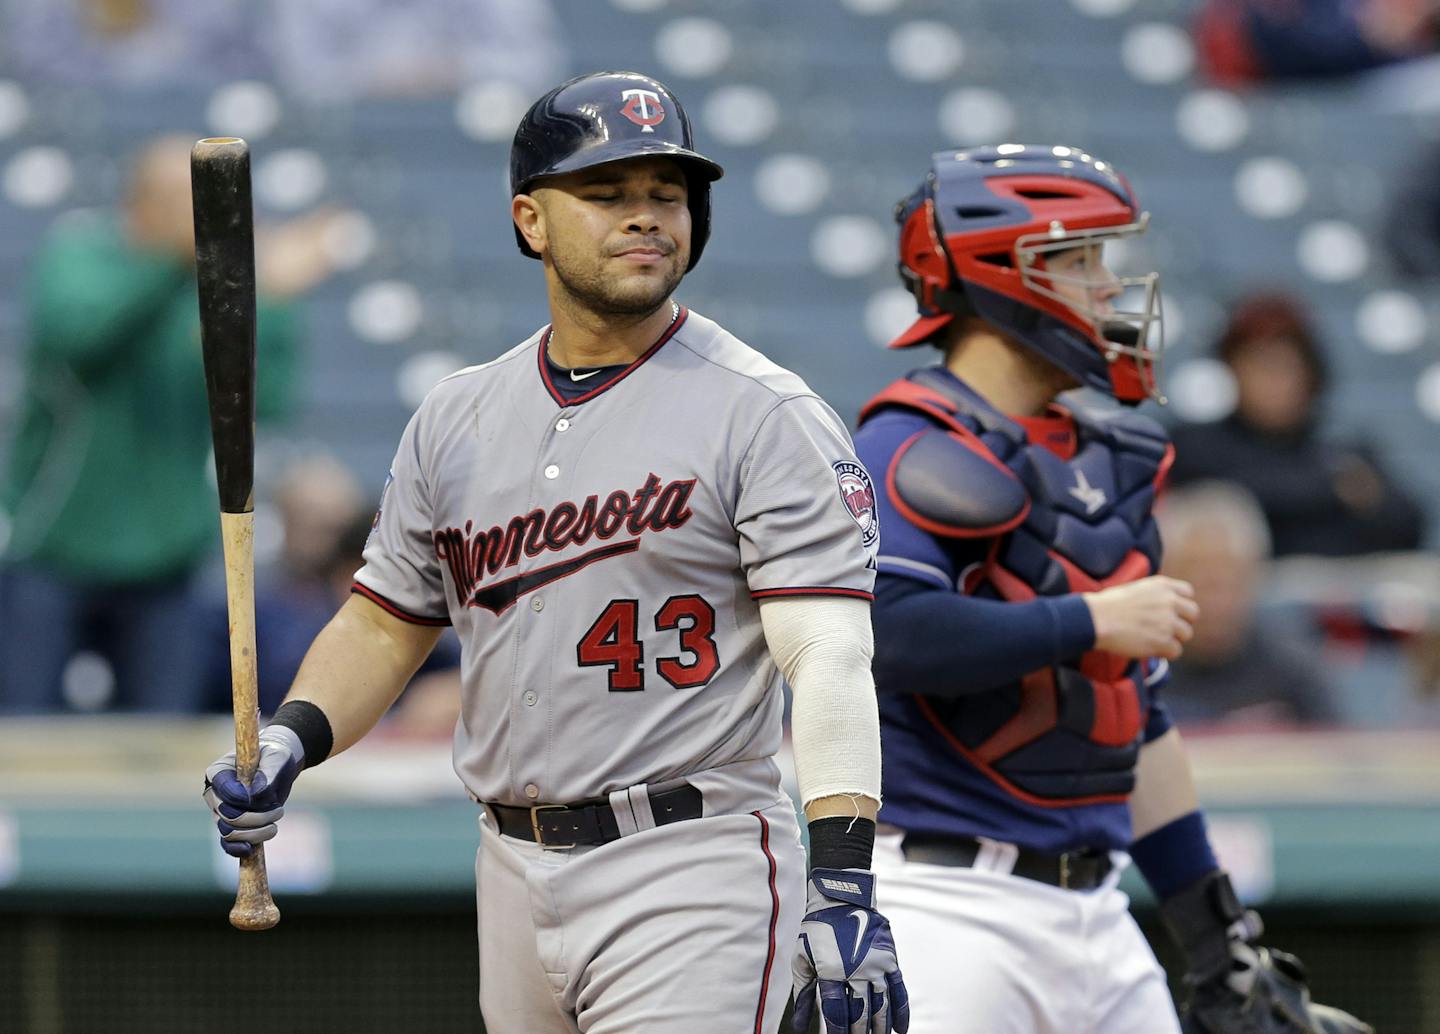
{"x":602,"y":559}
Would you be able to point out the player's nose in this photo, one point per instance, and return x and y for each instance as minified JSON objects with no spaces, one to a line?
{"x":1110,"y":286}
{"x":643,"y":218}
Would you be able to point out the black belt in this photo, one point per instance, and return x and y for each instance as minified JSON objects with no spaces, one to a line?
{"x":1073,"y":870}
{"x":590,"y":822}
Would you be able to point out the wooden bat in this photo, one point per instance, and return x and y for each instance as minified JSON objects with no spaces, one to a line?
{"x":225,"y":271}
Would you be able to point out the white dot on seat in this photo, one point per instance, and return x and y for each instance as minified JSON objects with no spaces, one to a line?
{"x":694,"y":47}
{"x":38,"y":177}
{"x":1102,"y":8}
{"x":1201,"y":390}
{"x":974,"y":115}
{"x":1333,"y":251}
{"x":1212,"y":120}
{"x":1270,"y":188}
{"x":1391,"y":322}
{"x":849,"y":245}
{"x":248,"y":109}
{"x":88,"y":681}
{"x":741,"y":116}
{"x":791,"y":184}
{"x":386,"y":312}
{"x":925,"y":51}
{"x":491,"y":110}
{"x":419,"y":373}
{"x":1157,"y":53}
{"x":887,"y":313}
{"x":289,"y":179}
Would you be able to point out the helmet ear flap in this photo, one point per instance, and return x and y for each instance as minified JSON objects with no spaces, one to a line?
{"x":924,"y":266}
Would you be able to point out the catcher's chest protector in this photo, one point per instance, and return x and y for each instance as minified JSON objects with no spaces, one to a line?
{"x":1041,"y":523}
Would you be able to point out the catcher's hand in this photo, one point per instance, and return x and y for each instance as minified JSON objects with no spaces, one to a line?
{"x":247,"y":816}
{"x":1265,"y":992}
{"x":847,"y":959}
{"x":1236,"y":986}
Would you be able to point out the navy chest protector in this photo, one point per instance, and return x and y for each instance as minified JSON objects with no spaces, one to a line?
{"x":1043,"y":526}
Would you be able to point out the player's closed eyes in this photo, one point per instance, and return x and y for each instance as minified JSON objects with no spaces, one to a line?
{"x":608,"y":197}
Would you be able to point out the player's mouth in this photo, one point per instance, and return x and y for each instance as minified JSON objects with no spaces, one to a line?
{"x":643,"y":253}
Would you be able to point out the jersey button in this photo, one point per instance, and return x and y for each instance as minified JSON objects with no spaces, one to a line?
{"x":532,"y":791}
{"x":562,"y":425}
{"x":530,"y":697}
{"x":537,"y":604}
{"x":552,"y":472}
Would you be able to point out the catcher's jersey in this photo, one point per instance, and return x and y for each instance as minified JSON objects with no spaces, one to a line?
{"x":1048,"y":760}
{"x":602,"y":558}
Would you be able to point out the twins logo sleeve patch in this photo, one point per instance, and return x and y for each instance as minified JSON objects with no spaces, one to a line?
{"x":858,"y":495}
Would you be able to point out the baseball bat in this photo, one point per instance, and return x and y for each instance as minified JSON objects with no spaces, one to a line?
{"x":225,"y":272}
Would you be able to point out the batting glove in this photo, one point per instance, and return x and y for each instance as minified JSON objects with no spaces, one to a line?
{"x":847,"y":959}
{"x":247,"y":816}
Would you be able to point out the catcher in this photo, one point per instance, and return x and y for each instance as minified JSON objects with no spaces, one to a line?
{"x":1023,"y":636}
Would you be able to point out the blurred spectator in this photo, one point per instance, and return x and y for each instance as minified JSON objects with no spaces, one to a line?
{"x":1319,"y":496}
{"x":109,"y":488}
{"x":1244,"y":41}
{"x":133,"y":43}
{"x":338,"y":50}
{"x":1237,"y":668}
{"x":326,"y":524}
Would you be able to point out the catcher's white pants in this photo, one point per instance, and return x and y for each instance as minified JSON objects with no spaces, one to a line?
{"x":685,"y":927}
{"x":988,"y":952}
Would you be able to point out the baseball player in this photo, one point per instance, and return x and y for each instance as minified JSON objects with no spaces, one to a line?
{"x":636,"y":524}
{"x":1022,"y":635}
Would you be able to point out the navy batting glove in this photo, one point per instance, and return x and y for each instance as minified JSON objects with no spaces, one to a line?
{"x":847,"y":959}
{"x":246,"y":817}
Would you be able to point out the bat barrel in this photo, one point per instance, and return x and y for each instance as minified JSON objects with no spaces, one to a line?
{"x":225,"y":270}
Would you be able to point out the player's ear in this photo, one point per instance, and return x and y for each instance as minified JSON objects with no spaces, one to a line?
{"x":530,"y":220}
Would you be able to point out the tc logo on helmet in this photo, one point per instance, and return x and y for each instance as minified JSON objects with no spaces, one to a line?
{"x":643,"y":108}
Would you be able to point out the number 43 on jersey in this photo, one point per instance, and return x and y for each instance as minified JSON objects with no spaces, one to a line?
{"x":613,"y":642}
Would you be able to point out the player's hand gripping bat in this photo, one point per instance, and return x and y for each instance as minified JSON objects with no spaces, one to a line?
{"x":225,"y":270}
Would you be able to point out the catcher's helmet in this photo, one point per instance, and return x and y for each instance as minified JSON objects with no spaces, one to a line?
{"x":974,"y":239}
{"x":604,"y":117}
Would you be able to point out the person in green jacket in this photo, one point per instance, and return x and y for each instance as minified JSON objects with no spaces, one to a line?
{"x":108,"y":496}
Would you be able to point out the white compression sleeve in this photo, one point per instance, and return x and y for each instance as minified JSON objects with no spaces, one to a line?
{"x":823,"y":646}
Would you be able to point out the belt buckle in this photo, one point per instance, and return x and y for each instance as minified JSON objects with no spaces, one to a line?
{"x":535,"y":811}
{"x":1065,"y":871}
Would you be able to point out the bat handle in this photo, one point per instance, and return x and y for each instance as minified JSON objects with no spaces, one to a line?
{"x":254,"y":910}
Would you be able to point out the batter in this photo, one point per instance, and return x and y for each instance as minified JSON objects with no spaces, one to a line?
{"x":635,"y":523}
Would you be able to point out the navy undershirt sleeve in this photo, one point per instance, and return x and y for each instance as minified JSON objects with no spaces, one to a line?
{"x":941,"y":643}
{"x":1176,"y":855}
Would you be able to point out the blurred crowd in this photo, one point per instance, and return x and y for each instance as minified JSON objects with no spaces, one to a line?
{"x":109,"y":598}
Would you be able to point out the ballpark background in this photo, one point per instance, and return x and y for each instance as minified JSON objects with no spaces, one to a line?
{"x":1285,"y":148}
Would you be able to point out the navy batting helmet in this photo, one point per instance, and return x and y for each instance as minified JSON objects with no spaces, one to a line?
{"x":605,"y":117}
{"x":975,"y":239}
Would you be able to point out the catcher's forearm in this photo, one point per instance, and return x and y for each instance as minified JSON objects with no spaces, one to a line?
{"x":1164,"y":786}
{"x":358,"y":666}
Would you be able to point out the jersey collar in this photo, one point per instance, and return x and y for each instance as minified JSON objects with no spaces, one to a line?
{"x":1055,"y":430}
{"x":564,"y":403}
